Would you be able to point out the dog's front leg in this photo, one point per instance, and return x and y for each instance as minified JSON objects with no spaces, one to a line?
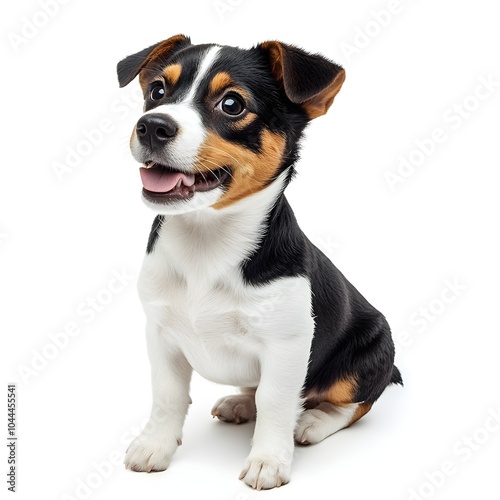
{"x":278,"y":401}
{"x":152,"y":450}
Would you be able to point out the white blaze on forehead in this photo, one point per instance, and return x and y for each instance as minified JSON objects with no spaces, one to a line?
{"x":182,"y":151}
{"x":206,"y":63}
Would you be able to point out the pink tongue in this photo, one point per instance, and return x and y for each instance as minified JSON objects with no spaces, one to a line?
{"x":160,"y":180}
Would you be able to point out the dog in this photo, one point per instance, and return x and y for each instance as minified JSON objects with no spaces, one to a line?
{"x":230,"y":285}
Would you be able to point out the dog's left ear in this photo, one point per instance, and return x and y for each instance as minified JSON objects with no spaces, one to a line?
{"x":131,"y":66}
{"x":310,"y":80}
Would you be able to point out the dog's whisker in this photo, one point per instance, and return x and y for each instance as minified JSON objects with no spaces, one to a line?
{"x":203,"y":175}
{"x":228,"y":172}
{"x":219,"y":167}
{"x":224,"y":152}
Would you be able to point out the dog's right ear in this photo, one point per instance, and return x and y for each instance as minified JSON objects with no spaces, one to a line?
{"x":310,"y":80}
{"x":131,"y":66}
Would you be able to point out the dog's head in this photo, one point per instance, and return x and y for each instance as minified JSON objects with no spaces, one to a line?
{"x":221,"y":123}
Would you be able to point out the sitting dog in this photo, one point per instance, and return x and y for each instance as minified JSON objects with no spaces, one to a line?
{"x":230,"y":285}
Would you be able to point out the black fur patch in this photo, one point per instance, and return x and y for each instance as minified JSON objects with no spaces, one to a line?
{"x":155,"y":231}
{"x":351,"y":338}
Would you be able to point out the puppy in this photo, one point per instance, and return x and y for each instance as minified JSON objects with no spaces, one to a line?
{"x":230,"y":285}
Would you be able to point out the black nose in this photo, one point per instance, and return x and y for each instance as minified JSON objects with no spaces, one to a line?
{"x":156,"y":129}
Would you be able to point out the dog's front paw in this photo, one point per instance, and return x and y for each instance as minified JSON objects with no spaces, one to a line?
{"x":150,"y":452}
{"x":238,"y":408}
{"x":265,"y":472}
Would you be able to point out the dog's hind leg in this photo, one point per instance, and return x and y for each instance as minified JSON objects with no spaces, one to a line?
{"x":317,"y":423}
{"x":236,"y":408}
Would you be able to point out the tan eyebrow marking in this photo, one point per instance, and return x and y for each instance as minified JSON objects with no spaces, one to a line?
{"x":172,"y":73}
{"x":219,"y":82}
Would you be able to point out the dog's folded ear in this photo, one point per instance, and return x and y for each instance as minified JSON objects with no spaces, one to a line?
{"x":310,"y":80}
{"x":131,"y":66}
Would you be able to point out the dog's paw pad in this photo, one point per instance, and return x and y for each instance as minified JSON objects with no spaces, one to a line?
{"x":264,"y":473}
{"x":150,"y":453}
{"x":238,"y":408}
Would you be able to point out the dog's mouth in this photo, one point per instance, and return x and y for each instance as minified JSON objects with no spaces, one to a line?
{"x":164,"y":184}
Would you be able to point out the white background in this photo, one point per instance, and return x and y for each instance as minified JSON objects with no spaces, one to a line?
{"x":62,"y":238}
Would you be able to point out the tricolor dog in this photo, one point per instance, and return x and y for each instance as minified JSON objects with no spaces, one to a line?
{"x":230,"y":285}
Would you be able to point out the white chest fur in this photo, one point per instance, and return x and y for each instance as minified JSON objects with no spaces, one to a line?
{"x":193,"y":292}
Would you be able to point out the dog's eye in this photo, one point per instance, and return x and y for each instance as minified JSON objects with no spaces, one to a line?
{"x":232,"y":105}
{"x":157,"y":91}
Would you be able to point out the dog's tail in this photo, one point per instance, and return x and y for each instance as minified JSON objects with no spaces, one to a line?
{"x":396,"y":376}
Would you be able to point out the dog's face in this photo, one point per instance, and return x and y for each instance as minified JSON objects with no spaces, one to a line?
{"x":221,"y":123}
